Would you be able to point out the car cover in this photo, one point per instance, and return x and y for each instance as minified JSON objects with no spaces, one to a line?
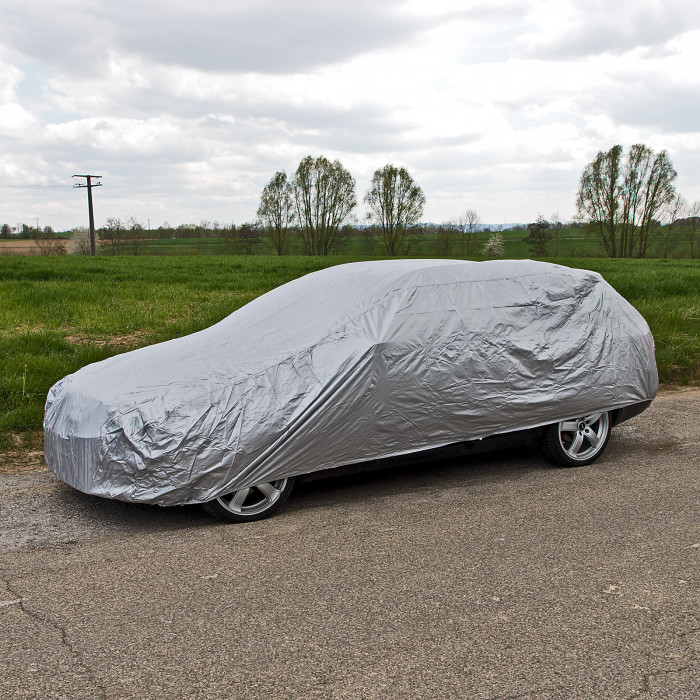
{"x":352,"y":363}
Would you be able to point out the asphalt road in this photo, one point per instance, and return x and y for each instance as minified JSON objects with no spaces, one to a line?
{"x":494,"y":577}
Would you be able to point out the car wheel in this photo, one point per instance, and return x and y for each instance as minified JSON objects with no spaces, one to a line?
{"x":577,"y":441}
{"x":254,"y":503}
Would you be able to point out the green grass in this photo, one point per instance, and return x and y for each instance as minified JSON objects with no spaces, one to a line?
{"x":58,"y":314}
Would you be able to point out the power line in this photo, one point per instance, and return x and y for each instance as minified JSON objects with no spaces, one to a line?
{"x":34,"y":187}
{"x":90,"y":184}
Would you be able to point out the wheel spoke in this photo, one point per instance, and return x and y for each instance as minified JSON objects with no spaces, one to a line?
{"x":592,"y":419}
{"x":238,"y":499}
{"x":576,"y":445}
{"x":593,"y":438}
{"x":569,"y":426}
{"x":268,"y":490}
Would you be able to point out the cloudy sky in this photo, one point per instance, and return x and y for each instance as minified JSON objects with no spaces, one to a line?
{"x":187,"y":108}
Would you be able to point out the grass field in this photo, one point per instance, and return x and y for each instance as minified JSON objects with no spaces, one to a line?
{"x":60,"y":313}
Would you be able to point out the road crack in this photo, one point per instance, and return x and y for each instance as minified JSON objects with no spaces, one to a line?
{"x":646,"y":679}
{"x":78,"y":658}
{"x":644,"y":687}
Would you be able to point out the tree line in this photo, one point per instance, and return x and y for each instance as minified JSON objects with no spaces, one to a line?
{"x":626,"y":202}
{"x":321,"y":196}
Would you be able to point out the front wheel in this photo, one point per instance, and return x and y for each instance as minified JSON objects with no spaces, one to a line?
{"x":577,"y":441}
{"x":254,"y":503}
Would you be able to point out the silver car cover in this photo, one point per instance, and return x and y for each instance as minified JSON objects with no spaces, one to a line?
{"x":351,"y":363}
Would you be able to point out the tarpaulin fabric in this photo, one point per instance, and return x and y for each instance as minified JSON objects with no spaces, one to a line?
{"x":351,"y":363}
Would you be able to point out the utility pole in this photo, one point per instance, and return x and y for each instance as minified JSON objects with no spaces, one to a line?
{"x":90,"y":184}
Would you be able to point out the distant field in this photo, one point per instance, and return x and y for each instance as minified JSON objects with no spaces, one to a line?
{"x":19,"y":247}
{"x":572,"y":243}
{"x":60,"y":313}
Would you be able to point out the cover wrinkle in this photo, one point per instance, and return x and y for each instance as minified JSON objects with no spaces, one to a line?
{"x":349,"y":364}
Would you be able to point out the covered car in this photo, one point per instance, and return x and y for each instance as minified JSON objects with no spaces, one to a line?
{"x":353,"y":363}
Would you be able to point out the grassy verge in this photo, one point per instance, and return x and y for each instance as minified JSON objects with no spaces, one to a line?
{"x":58,"y":314}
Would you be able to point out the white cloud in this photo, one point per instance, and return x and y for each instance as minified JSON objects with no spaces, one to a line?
{"x":570,"y":30}
{"x":188,"y":109}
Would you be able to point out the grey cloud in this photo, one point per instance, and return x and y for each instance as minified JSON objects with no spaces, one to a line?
{"x":604,"y":27}
{"x":286,"y":38}
{"x":272,"y":36}
{"x":656,"y":103}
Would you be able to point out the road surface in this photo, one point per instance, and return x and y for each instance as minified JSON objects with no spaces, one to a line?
{"x":494,"y":577}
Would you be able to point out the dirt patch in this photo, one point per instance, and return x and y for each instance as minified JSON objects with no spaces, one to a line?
{"x":130,"y":340}
{"x":26,"y":454}
{"x":663,"y":447}
{"x":670,"y":388}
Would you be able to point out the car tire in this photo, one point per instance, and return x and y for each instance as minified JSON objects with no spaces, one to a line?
{"x":254,"y":503}
{"x":577,"y":441}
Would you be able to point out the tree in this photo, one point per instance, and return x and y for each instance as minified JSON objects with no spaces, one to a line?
{"x":623,"y":198}
{"x":412,"y":243}
{"x":444,"y":237}
{"x":228,"y":242}
{"x":670,"y":235}
{"x":683,"y":226}
{"x":249,"y":237}
{"x":47,"y":243}
{"x":468,"y":225}
{"x":324,"y":196}
{"x":113,"y":234}
{"x":397,"y":204}
{"x":539,"y":237}
{"x":598,"y":197}
{"x":5,"y":231}
{"x":134,"y":234}
{"x":556,"y":229}
{"x":493,"y":248}
{"x":693,"y":227}
{"x":367,"y":235}
{"x":276,"y":211}
{"x":80,"y":243}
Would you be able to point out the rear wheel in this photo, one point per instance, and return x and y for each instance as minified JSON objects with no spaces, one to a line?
{"x":254,"y":503}
{"x":577,"y":441}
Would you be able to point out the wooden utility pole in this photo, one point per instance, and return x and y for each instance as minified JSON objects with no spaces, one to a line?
{"x":90,"y":184}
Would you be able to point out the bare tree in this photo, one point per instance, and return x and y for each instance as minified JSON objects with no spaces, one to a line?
{"x":670,"y":234}
{"x":396,"y":203}
{"x":444,"y":237}
{"x":276,"y":211}
{"x":556,"y":229}
{"x":249,"y":237}
{"x":367,"y":235}
{"x":693,"y":227}
{"x":46,"y":242}
{"x":112,"y":234}
{"x":622,"y":199}
{"x":228,"y":242}
{"x":324,"y":196}
{"x":468,"y":225}
{"x":134,"y":234}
